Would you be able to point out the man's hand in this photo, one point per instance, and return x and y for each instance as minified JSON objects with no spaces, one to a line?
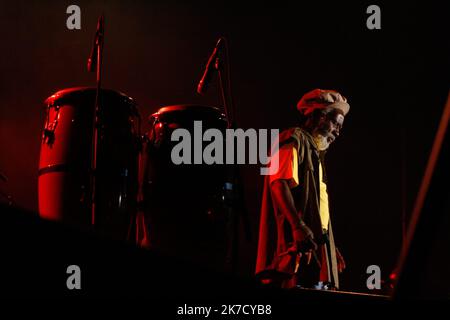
{"x":304,"y":239}
{"x":302,"y":234}
{"x":340,"y":261}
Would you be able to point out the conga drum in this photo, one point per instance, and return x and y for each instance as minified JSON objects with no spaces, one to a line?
{"x":65,"y":160}
{"x":183,"y":202}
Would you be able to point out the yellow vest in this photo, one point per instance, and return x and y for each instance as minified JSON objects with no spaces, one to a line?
{"x":323,"y":205}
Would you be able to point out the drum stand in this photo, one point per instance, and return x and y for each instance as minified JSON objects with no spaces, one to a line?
{"x":233,"y":191}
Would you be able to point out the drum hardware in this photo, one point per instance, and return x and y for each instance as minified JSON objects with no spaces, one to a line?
{"x":48,"y":135}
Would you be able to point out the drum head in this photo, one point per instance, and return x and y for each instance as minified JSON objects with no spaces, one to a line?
{"x":76,"y":95}
{"x":189,"y":113}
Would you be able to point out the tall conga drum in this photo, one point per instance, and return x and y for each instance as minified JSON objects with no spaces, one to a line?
{"x":65,"y":160}
{"x":183,"y":202}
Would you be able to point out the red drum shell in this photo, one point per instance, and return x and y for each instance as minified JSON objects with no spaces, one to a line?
{"x":65,"y":159}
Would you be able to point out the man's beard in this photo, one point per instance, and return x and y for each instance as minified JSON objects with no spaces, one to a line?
{"x":321,"y":142}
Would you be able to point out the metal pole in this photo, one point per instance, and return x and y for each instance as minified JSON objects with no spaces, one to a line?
{"x":96,"y":124}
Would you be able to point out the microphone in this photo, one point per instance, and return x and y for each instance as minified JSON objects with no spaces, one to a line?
{"x":92,"y":60}
{"x":204,"y":82}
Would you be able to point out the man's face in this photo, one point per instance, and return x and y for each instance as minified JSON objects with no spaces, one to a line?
{"x":328,"y":127}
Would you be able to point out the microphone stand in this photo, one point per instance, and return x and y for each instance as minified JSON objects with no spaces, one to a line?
{"x":233,"y":193}
{"x":99,"y":39}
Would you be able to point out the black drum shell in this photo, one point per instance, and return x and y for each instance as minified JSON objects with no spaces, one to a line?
{"x":183,"y":203}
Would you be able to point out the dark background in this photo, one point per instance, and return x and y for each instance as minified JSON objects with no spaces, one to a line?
{"x":396,"y":80}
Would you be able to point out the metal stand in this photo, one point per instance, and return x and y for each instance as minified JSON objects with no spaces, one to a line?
{"x":233,"y":193}
{"x":98,"y":47}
